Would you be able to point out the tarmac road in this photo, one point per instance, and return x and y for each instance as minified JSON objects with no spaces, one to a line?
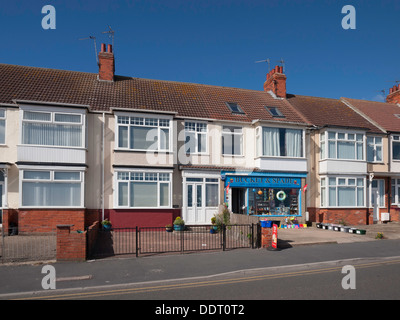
{"x":332,"y":246}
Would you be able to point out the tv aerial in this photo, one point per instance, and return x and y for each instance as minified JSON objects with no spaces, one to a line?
{"x":268,"y":61}
{"x":110,"y":33}
{"x":282,"y":62}
{"x":95,"y":46}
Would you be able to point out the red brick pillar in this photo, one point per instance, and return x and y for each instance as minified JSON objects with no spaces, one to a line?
{"x":71,"y":246}
{"x":266,"y":237}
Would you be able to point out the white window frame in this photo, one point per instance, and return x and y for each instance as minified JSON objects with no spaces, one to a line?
{"x":382,"y":196}
{"x":196,"y":130}
{"x":395,"y":196}
{"x":131,"y":178}
{"x":374,"y":145}
{"x":53,"y":112}
{"x":324,"y":187}
{"x":51,"y":179}
{"x":132,"y":118}
{"x":233,"y":134}
{"x":259,"y":142}
{"x":4,"y":118}
{"x":325,"y":140}
{"x":394,"y":139}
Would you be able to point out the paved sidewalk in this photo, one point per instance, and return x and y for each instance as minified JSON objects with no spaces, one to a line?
{"x":313,"y":235}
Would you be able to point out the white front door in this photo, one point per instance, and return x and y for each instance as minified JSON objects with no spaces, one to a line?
{"x":195,"y":212}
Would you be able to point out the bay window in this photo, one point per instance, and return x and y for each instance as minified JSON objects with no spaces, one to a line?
{"x":143,"y":133}
{"x":395,"y":194}
{"x":195,"y":137}
{"x":137,"y":189}
{"x":342,"y":192}
{"x":52,"y":129}
{"x":396,"y":147}
{"x":48,"y":188}
{"x":280,"y":142}
{"x":342,"y":145}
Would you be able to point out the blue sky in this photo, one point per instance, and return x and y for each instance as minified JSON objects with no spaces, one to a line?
{"x":216,"y":42}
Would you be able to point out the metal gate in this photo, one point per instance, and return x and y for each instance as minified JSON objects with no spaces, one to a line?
{"x":156,"y":240}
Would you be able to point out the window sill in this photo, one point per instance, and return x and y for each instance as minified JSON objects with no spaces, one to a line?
{"x":280,"y":157}
{"x":143,"y":151}
{"x":52,"y":147}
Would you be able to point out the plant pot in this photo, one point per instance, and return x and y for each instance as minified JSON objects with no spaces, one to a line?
{"x":107,"y":227}
{"x":212,"y":231}
{"x":169,"y":229}
{"x":179,"y":227}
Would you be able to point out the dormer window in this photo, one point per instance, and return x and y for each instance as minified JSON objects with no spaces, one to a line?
{"x":234,"y":107}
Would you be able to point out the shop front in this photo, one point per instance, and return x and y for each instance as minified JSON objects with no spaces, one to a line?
{"x":264,"y":194}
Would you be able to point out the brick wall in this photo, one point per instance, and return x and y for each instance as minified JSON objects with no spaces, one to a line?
{"x":266,"y":237}
{"x":130,"y":218}
{"x":71,"y":245}
{"x":348,"y":216}
{"x":46,"y":220}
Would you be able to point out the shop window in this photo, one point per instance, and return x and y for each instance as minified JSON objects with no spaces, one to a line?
{"x":274,"y":201}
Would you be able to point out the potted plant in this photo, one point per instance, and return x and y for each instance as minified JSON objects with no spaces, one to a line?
{"x":106,"y":224}
{"x":179,"y":224}
{"x":214,"y":227}
{"x":169,"y":228}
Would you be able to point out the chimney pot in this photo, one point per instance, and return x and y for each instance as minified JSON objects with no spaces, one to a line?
{"x":276,"y":82}
{"x":109,"y":48}
{"x":390,"y":90}
{"x":103,"y":47}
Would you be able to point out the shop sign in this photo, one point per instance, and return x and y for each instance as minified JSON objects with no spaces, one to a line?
{"x":260,"y":182}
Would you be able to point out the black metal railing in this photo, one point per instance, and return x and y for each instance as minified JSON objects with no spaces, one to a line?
{"x":155,"y":240}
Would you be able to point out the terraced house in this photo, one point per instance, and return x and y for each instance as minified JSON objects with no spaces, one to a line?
{"x":80,"y":147}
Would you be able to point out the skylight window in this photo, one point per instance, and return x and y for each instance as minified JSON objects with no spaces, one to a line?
{"x":275,"y":112}
{"x":234,"y":107}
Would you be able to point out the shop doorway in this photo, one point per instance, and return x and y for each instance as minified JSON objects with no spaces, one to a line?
{"x":239,"y":203}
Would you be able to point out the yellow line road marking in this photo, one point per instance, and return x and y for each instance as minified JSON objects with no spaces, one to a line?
{"x":202,"y":283}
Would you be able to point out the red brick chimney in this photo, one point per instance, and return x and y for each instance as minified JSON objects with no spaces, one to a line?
{"x":276,"y":82}
{"x":106,"y":63}
{"x":394,"y":95}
